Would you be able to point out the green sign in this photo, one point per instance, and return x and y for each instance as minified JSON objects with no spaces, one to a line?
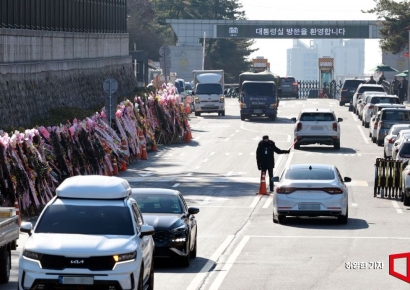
{"x":291,"y":31}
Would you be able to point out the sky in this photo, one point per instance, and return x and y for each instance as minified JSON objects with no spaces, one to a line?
{"x":275,"y":50}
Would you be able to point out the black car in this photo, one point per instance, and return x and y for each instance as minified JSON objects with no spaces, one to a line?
{"x":348,"y":89}
{"x":289,"y":87}
{"x":174,"y":223}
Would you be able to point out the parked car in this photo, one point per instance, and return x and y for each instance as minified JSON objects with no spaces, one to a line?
{"x":390,"y":138}
{"x":402,"y":136}
{"x":403,"y":152}
{"x":405,"y":177}
{"x":361,"y":103}
{"x":289,"y":87}
{"x":317,"y":126}
{"x":388,"y":118}
{"x":348,"y":89}
{"x":174,"y":223}
{"x":91,"y":234}
{"x":364,"y":88}
{"x":311,"y":190}
{"x":374,"y":118}
{"x":373,"y":99}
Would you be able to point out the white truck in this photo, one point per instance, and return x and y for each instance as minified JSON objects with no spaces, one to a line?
{"x":9,"y":233}
{"x":208,"y":92}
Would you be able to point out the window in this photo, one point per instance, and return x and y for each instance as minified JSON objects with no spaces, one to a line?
{"x":154,"y":203}
{"x":307,"y":174}
{"x":204,"y":89}
{"x":384,"y":100}
{"x":370,"y":89}
{"x":405,"y":150}
{"x":137,"y":216}
{"x":395,"y":115}
{"x":259,"y":89}
{"x":317,"y":116}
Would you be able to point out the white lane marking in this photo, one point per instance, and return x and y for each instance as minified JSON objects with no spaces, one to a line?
{"x":197,"y":167}
{"x":278,"y":164}
{"x":227,"y":139}
{"x":255,"y":201}
{"x":223,"y":206}
{"x":240,"y":153}
{"x":189,"y":174}
{"x":229,"y":173}
{"x":226,"y":153}
{"x":396,"y":206}
{"x":354,"y":117}
{"x":268,"y":201}
{"x":288,"y":139}
{"x":212,"y":153}
{"x":237,"y":131}
{"x":176,"y":185}
{"x":289,"y":160}
{"x":363,"y":135}
{"x":354,"y":204}
{"x":200,"y":277}
{"x":228,"y":265}
{"x":205,"y":160}
{"x":333,"y":237}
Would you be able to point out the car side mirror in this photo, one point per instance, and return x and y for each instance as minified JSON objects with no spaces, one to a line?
{"x":193,"y":210}
{"x":405,"y":163}
{"x":293,"y":120}
{"x":26,"y":227}
{"x":275,"y":179}
{"x":147,"y":230}
{"x":340,"y":119}
{"x":347,"y":179}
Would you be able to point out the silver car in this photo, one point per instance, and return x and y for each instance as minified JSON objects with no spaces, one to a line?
{"x":374,"y":118}
{"x":311,"y":190}
{"x":402,"y":136}
{"x":388,"y":118}
{"x":390,"y":138}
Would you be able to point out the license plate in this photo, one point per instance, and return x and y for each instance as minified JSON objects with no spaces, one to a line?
{"x":317,"y":128}
{"x":257,"y":111}
{"x":76,"y":280}
{"x":314,"y":206}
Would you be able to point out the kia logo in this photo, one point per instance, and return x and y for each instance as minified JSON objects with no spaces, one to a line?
{"x":77,"y":262}
{"x":392,"y":272}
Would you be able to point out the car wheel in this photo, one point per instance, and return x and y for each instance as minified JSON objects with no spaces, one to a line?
{"x":374,"y":139}
{"x":297,"y":146}
{"x":366,"y":124}
{"x":223,"y":113}
{"x":384,"y":154}
{"x":370,"y":135}
{"x":5,"y":265}
{"x":141,"y":279}
{"x":197,"y":114}
{"x":406,"y":199}
{"x":186,"y":260}
{"x":379,"y":142}
{"x":151,"y":275}
{"x":194,"y":250}
{"x":342,"y":219}
{"x":362,"y":122}
{"x":242,"y":117}
{"x":273,"y":117}
{"x":336,"y":146}
{"x":281,"y":219}
{"x":341,"y":104}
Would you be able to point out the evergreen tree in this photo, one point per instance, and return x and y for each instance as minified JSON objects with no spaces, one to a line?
{"x":396,"y":25}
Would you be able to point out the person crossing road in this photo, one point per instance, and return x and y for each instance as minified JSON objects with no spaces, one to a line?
{"x":265,"y":157}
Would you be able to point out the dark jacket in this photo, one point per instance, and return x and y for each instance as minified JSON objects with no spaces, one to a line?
{"x":371,"y":82}
{"x":264,"y":154}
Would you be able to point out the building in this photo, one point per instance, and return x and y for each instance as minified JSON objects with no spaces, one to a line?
{"x":140,"y":57}
{"x":347,"y":54}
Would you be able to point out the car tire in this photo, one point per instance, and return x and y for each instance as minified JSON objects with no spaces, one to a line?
{"x":297,"y":146}
{"x":281,"y":219}
{"x":194,"y":250}
{"x":273,"y":117}
{"x":336,"y":146}
{"x":151,"y":275}
{"x":197,"y":114}
{"x":362,"y":122}
{"x":343,"y":219}
{"x":374,"y":139}
{"x":186,"y":260}
{"x":379,"y":142}
{"x":370,"y":134}
{"x":341,"y":104}
{"x":366,"y":124}
{"x":141,"y":279}
{"x":406,"y":199}
{"x":5,"y":265}
{"x":223,"y":113}
{"x":242,"y":117}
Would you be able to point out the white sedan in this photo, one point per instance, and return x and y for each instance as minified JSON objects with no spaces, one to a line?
{"x":390,"y":138}
{"x":402,"y":136}
{"x":311,"y":190}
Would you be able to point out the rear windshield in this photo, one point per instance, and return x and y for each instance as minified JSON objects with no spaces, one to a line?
{"x":396,"y":115}
{"x":384,"y":100}
{"x":352,"y":84}
{"x":314,"y":174}
{"x":259,"y":89}
{"x":154,"y":203}
{"x":317,"y":117}
{"x":370,"y":89}
{"x":405,"y":150}
{"x":395,"y":130}
{"x":208,"y":89}
{"x":288,"y":80}
{"x":386,"y":107}
{"x":86,"y":220}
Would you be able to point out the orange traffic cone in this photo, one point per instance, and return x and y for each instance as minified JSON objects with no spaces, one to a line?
{"x":115,"y":166}
{"x":262,"y":187}
{"x":17,"y":207}
{"x":143,"y":147}
{"x":154,"y":147}
{"x":124,"y":148}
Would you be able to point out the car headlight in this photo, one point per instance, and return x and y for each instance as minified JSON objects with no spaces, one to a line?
{"x":221,"y":99}
{"x":125,"y":257}
{"x":32,"y":255}
{"x":243,"y":106}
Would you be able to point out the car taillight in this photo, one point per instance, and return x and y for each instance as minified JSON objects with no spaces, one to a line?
{"x":299,"y":127}
{"x":335,"y":126}
{"x":370,"y":107}
{"x":295,"y":83}
{"x":273,"y":106}
{"x":380,"y":124}
{"x":376,"y":124}
{"x":285,"y":190}
{"x":391,"y":140}
{"x":333,"y":190}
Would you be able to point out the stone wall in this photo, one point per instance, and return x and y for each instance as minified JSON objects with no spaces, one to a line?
{"x":42,"y":70}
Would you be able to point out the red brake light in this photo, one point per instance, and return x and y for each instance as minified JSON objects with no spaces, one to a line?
{"x":391,"y":141}
{"x":335,"y":126}
{"x":299,"y":127}
{"x":376,"y":124}
{"x":370,"y":107}
{"x":285,"y":190}
{"x":333,"y":190}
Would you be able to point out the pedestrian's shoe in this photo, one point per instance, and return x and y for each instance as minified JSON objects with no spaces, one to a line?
{"x":271,"y":190}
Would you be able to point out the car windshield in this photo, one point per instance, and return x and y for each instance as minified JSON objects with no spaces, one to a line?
{"x":352,"y":84}
{"x":316,"y":116}
{"x":405,"y":150}
{"x":310,"y":174}
{"x":208,"y":89}
{"x":259,"y":89}
{"x":370,"y":89}
{"x":384,"y":100}
{"x":86,"y":220}
{"x":395,"y":115}
{"x":156,"y":203}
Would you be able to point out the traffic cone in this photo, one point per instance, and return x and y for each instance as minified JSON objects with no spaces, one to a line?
{"x":124,"y":148}
{"x":17,"y":207}
{"x":114,"y":166}
{"x":262,"y":187}
{"x":154,"y":147}
{"x":143,"y":147}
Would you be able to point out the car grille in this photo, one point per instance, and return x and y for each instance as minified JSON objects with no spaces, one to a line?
{"x":258,"y":106}
{"x":52,"y":284}
{"x":162,"y":237}
{"x":103,"y":263}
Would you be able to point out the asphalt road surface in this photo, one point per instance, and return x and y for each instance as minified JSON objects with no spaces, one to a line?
{"x":239,"y":247}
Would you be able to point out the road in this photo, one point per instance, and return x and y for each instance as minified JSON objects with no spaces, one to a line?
{"x":239,"y":247}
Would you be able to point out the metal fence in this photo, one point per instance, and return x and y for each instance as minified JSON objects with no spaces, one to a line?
{"x":310,"y":89}
{"x":92,"y":16}
{"x":388,"y":178}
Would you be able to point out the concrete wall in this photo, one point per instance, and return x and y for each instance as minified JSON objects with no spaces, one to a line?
{"x":396,"y":61}
{"x":41,"y":70}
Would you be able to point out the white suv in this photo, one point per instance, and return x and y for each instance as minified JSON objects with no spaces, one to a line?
{"x":317,"y":126}
{"x":91,"y":234}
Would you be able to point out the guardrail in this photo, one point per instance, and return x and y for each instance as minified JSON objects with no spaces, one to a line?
{"x":388,"y":178}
